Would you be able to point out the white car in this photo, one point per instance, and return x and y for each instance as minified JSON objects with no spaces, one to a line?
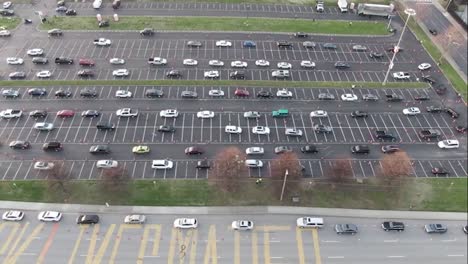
{"x":448,"y":144}
{"x":107,"y":164}
{"x":304,"y":222}
{"x":261,"y":130}
{"x":44,"y":126}
{"x":190,"y":62}
{"x":5,"y":33}
{"x":158,"y":61}
{"x":255,"y":151}
{"x":253,"y":163}
{"x":239,"y":64}
{"x":169,"y":113}
{"x":216,"y":63}
{"x":293,"y":132}
{"x":14,"y":61}
{"x":13,"y":215}
{"x":163,"y":164}
{"x":284,"y":93}
{"x":307,"y":64}
{"x":284,"y":65}
{"x":43,"y":74}
{"x":49,"y":216}
{"x":211,"y":74}
{"x":216,"y":93}
{"x":223,"y":43}
{"x":116,"y":61}
{"x":233,"y":129}
{"x":185,"y":223}
{"x":242,"y":225}
{"x":102,"y":42}
{"x":424,"y":66}
{"x":411,"y":111}
{"x":35,"y":52}
{"x":401,"y":75}
{"x":7,"y":5}
{"x":134,"y":219}
{"x":123,"y":94}
{"x":262,"y":63}
{"x":43,"y":165}
{"x":120,"y":73}
{"x":349,"y":97}
{"x":126,"y":112}
{"x":205,"y":114}
{"x":251,"y":114}
{"x":318,"y":113}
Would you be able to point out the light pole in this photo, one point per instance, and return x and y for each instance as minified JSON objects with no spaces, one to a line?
{"x":284,"y":184}
{"x":409,"y":12}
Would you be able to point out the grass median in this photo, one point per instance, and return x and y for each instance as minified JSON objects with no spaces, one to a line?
{"x":217,"y":82}
{"x":284,"y":2}
{"x":221,"y":24}
{"x":9,"y":22}
{"x":429,"y":194}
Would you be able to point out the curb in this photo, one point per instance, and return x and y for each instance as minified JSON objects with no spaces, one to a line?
{"x":221,"y":210}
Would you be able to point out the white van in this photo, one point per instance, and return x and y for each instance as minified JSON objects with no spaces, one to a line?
{"x":252,"y":163}
{"x":309,"y":222}
{"x":162,"y":164}
{"x":97,"y":4}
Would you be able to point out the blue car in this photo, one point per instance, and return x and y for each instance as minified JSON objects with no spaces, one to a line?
{"x":249,"y":44}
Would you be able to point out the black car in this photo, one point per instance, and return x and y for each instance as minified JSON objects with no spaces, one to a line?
{"x":326,"y":96}
{"x":85,"y":73}
{"x":342,"y":65}
{"x":87,"y":219}
{"x":147,"y":32}
{"x":452,"y":112}
{"x":428,"y":79}
{"x":359,"y":113}
{"x":203,"y":164}
{"x":99,"y":149}
{"x":40,"y":60}
{"x":194,"y":44}
{"x":384,"y":136}
{"x":392,"y":49}
{"x":63,"y":93}
{"x":7,"y":12}
{"x":434,"y":109}
{"x":63,"y":60}
{"x":309,"y":149}
{"x":390,"y":148}
{"x":165,"y":128}
{"x":189,"y":94}
{"x":38,"y":114}
{"x":86,"y":92}
{"x":360,"y":149}
{"x":152,"y":93}
{"x":264,"y":94}
{"x":433,"y":31}
{"x":17,"y":75}
{"x":174,"y":74}
{"x":70,"y":12}
{"x":329,"y":46}
{"x":376,"y":55}
{"x":103,"y":23}
{"x":52,"y":146}
{"x":422,"y":98}
{"x":393,"y":226}
{"x":301,"y":35}
{"x":440,"y":90}
{"x":105,"y":126}
{"x":37,"y":92}
{"x":284,"y":44}
{"x":439,"y":171}
{"x":20,"y":144}
{"x":90,"y":113}
{"x":240,"y":75}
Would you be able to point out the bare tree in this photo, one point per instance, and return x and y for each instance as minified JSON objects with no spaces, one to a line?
{"x":395,"y":167}
{"x":58,"y":182}
{"x":340,"y":171}
{"x":286,"y":162}
{"x":228,"y":169}
{"x":115,"y":184}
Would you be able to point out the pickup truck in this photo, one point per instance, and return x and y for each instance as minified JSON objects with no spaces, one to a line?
{"x":401,"y":75}
{"x":127,"y":112}
{"x":393,"y":98}
{"x":10,"y":113}
{"x":63,"y":60}
{"x":102,"y":42}
{"x":429,"y":133}
{"x":382,"y":135}
{"x":157,"y":61}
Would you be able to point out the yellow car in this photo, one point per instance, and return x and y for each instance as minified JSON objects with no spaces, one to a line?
{"x":141,"y":149}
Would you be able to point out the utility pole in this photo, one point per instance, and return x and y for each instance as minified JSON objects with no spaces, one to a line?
{"x":284,"y":184}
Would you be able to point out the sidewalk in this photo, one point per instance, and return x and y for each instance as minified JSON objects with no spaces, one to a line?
{"x":248,"y":210}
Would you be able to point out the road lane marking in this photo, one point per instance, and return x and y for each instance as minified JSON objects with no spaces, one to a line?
{"x":254,"y":247}
{"x":48,"y":243}
{"x":211,"y":249}
{"x":102,"y":249}
{"x":395,"y":256}
{"x":77,"y":244}
{"x":318,"y":259}
{"x":13,"y":258}
{"x":461,"y":255}
{"x":266,"y":246}
{"x":119,"y":238}
{"x":390,"y":241}
{"x":236,"y":247}
{"x":300,"y":246}
{"x":183,"y":243}
{"x":144,"y":242}
{"x":18,"y":239}
{"x":336,"y":257}
{"x":12,"y":234}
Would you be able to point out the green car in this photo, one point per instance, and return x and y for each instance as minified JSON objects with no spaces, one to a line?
{"x":280,"y":113}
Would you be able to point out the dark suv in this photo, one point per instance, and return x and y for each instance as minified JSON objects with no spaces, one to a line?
{"x":40,"y":60}
{"x":360,"y":149}
{"x":284,"y":44}
{"x":237,"y":75}
{"x":105,"y":126}
{"x":63,"y":60}
{"x":152,"y":93}
{"x":86,"y":92}
{"x":52,"y":146}
{"x":391,"y":225}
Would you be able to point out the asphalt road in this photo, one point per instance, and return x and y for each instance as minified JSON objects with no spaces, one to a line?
{"x":274,"y":240}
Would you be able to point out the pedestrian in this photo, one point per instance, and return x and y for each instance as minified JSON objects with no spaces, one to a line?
{"x":350,"y":23}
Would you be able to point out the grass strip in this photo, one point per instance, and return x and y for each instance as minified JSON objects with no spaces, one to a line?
{"x":277,"y":2}
{"x":9,"y":23}
{"x":216,"y":82}
{"x":429,"y":194}
{"x":220,"y":24}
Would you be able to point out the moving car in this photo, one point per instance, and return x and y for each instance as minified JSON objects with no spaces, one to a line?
{"x":359,"y":113}
{"x":309,"y":222}
{"x":370,"y":97}
{"x":18,"y":144}
{"x":282,"y":149}
{"x":428,"y":79}
{"x":188,"y":94}
{"x":141,"y":149}
{"x":359,"y":48}
{"x":184,"y":223}
{"x":393,"y":226}
{"x":255,"y":151}
{"x":107,"y":164}
{"x":342,"y":65}
{"x":390,"y":148}
{"x":147,"y":32}
{"x":435,"y":228}
{"x":102,"y":42}
{"x":38,"y":113}
{"x":309,"y":149}
{"x":251,"y":114}
{"x":434,"y":109}
{"x":35,"y":52}
{"x":49,"y":216}
{"x":190,"y":62}
{"x":193,"y":151}
{"x":308,"y":64}
{"x":376,"y":55}
{"x":284,"y":44}
{"x":401,"y":75}
{"x":346,"y":229}
{"x":448,"y":144}
{"x":284,"y":65}
{"x":90,"y":113}
{"x":360,"y":149}
{"x":52,"y":146}
{"x":99,"y":149}
{"x":301,"y":35}
{"x":5,"y":33}
{"x":13,"y":215}
{"x":126,"y":112}
{"x":117,"y":61}
{"x":194,"y":44}
{"x":55,"y":32}
{"x":242,"y":225}
{"x":329,"y":46}
{"x":411,"y":111}
{"x":424,"y":66}
{"x":134,"y":219}
{"x":105,"y":126}
{"x":65,"y":113}
{"x":86,"y":62}
{"x":87,"y":219}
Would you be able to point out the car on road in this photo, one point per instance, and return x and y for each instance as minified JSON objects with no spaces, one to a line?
{"x":194,"y":44}
{"x":123,"y":94}
{"x":158,"y":61}
{"x":261,"y":130}
{"x":13,"y":215}
{"x":87,"y":219}
{"x":255,"y":151}
{"x":216,"y":93}
{"x":253,"y":163}
{"x":264,"y":94}
{"x":205,"y":114}
{"x":309,"y":44}
{"x":262,"y":63}
{"x":44,"y":74}
{"x":422,"y":97}
{"x":7,"y":4}
{"x":193,"y":151}
{"x":424,"y":66}
{"x":318,"y":113}
{"x":376,"y":55}
{"x":86,"y":62}
{"x":301,"y":35}
{"x":55,"y":32}
{"x":401,"y":75}
{"x":370,"y":97}
{"x":242,"y":225}
{"x":428,"y":79}
{"x":117,"y":61}
{"x":63,"y":93}
{"x":241,"y":92}
{"x":126,"y":112}
{"x":190,"y":62}
{"x":360,"y":149}
{"x":90,"y":113}
{"x":185,"y":223}
{"x":307,"y":64}
{"x":309,"y":222}
{"x":14,"y":61}
{"x":434,"y":109}
{"x":49,"y":216}
{"x":390,"y":148}
{"x":163,"y":164}
{"x":135,"y":219}
{"x":284,"y":65}
{"x":448,"y":144}
{"x":439,"y":171}
{"x":282,"y":149}
{"x":329,"y":46}
{"x":349,"y":97}
{"x":346,"y":229}
{"x":309,"y":149}
{"x":359,"y":113}
{"x":43,"y":165}
{"x":216,"y":63}
{"x":393,"y":226}
{"x":435,"y":228}
{"x":19,"y":144}
{"x":107,"y":164}
{"x":154,"y":93}
{"x":239,"y":64}
{"x":411,"y":111}
{"x":52,"y":146}
{"x":174,"y":74}
{"x":211,"y":74}
{"x":121,"y":73}
{"x":169,"y":113}
{"x":147,"y":32}
{"x":342,"y":65}
{"x":38,"y":113}
{"x":17,"y":75}
{"x":140,"y":149}
{"x":284,"y":93}
{"x":99,"y":149}
{"x":189,"y":94}
{"x":251,"y":114}
{"x":232,"y":129}
{"x":223,"y":43}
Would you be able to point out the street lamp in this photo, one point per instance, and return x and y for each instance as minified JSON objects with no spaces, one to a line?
{"x":409,"y":12}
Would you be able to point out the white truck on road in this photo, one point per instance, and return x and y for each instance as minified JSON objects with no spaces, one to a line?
{"x":127,"y":112}
{"x":343,"y":6}
{"x":11,"y":113}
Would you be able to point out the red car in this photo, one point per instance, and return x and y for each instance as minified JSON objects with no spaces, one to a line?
{"x":86,"y":62}
{"x":241,"y":92}
{"x":193,"y":151}
{"x":65,"y":113}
